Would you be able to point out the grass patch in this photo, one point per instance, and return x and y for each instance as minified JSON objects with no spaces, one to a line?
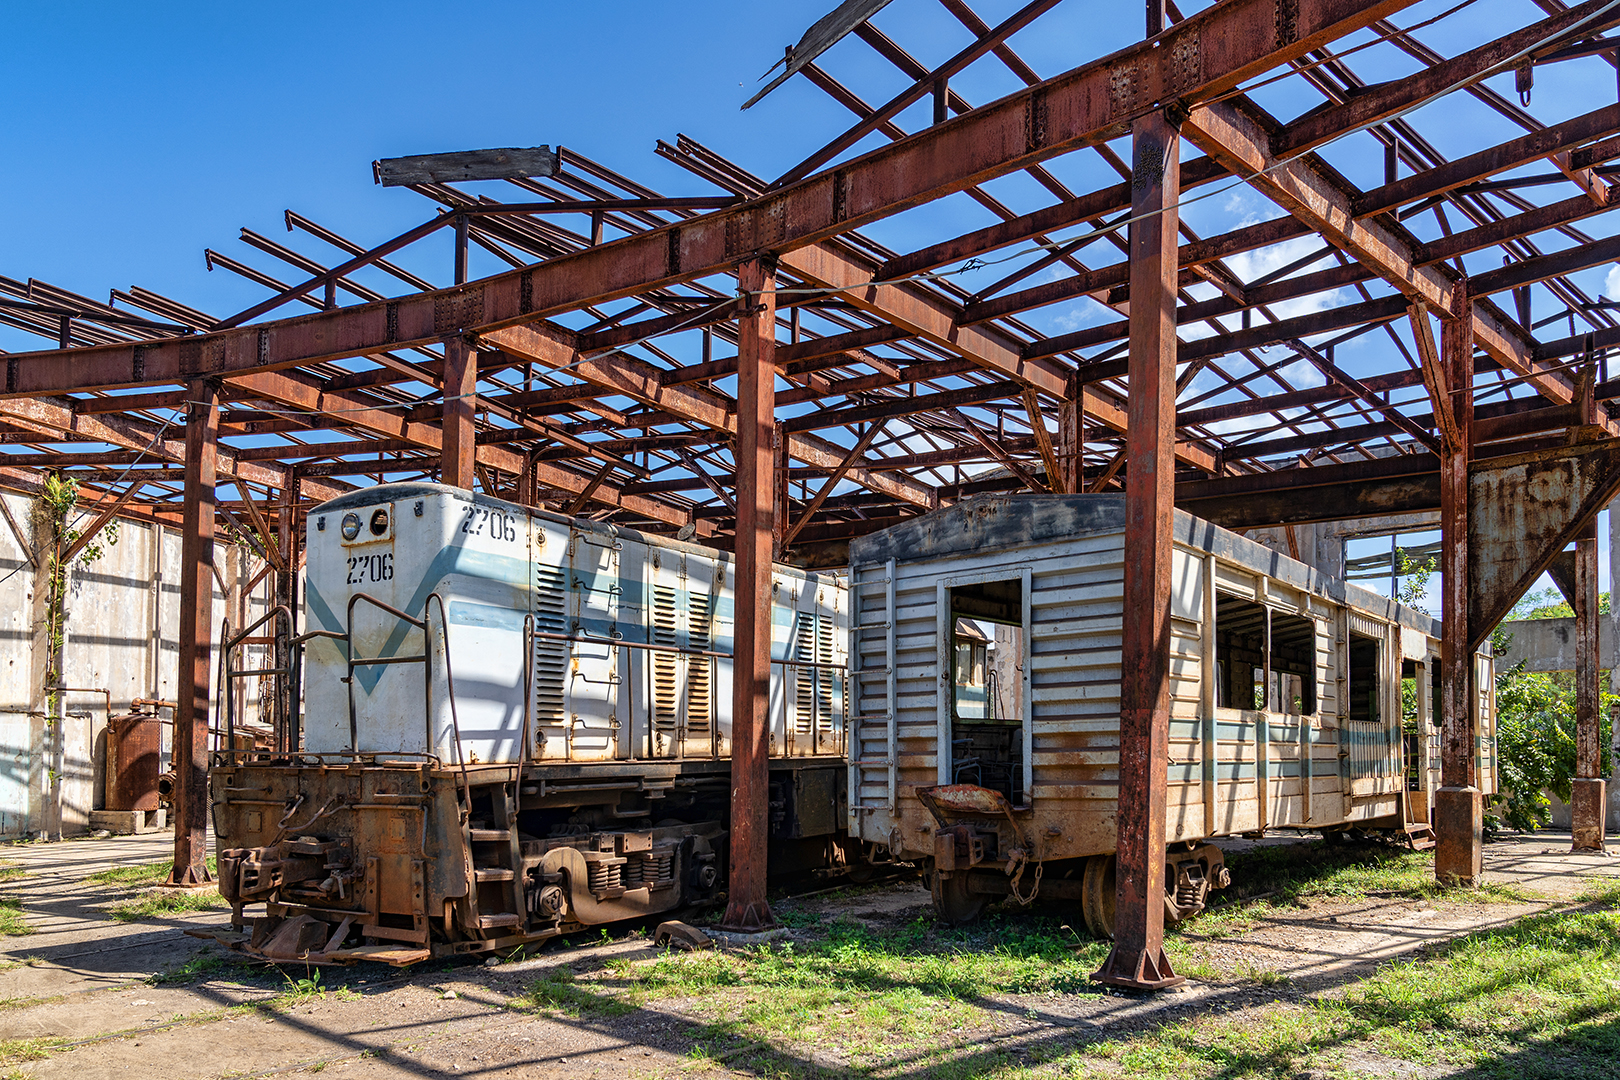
{"x":1292,"y":873}
{"x":12,"y":922}
{"x":10,"y":871}
{"x":200,"y":966}
{"x":862,"y":994}
{"x":157,"y":903}
{"x":138,"y":874}
{"x":1538,"y":1000}
{"x":558,"y":993}
{"x":13,"y":1050}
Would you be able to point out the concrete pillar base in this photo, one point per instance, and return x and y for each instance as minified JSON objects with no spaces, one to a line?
{"x":1587,"y":805}
{"x":128,"y":822}
{"x":1458,"y":821}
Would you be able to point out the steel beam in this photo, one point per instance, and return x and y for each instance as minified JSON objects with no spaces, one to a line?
{"x":1375,"y":104}
{"x":196,"y":637}
{"x":459,"y":447}
{"x":931,"y":317}
{"x":1458,"y":811}
{"x":1306,"y":190}
{"x":634,"y":378}
{"x":1197,"y":59}
{"x":1138,"y":959}
{"x":746,"y":907}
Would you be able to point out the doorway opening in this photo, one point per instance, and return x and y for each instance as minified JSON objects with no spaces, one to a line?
{"x":987,"y":656}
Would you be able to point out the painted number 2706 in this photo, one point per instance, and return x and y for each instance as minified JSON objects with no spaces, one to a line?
{"x":370,"y":568}
{"x":497,"y":524}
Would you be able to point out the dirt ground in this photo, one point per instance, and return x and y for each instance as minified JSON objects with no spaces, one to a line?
{"x":86,"y":997}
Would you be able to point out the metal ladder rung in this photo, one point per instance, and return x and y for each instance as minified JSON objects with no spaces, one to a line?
{"x":872,"y":762}
{"x":870,"y":716}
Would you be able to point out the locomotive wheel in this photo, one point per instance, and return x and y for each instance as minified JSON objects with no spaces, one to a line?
{"x":1097,"y":897}
{"x":954,"y":903}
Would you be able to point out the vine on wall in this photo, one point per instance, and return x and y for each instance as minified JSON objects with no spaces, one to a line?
{"x":52,"y":508}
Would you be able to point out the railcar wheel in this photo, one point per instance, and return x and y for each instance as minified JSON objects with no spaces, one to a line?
{"x":954,"y":902}
{"x":1097,"y":897}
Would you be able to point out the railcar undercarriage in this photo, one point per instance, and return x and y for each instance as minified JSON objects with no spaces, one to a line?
{"x":399,"y":858}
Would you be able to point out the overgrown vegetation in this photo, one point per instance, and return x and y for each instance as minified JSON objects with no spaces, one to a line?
{"x":1295,"y":873}
{"x":22,"y":1049}
{"x":1550,"y":604}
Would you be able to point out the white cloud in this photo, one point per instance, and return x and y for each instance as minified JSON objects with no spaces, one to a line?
{"x":1251,"y":265}
{"x":1611,"y":284}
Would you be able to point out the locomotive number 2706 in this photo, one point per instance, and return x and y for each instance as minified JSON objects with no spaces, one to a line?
{"x":498,"y":524}
{"x":366,"y":568}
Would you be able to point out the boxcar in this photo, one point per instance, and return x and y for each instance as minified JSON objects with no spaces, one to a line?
{"x":985,"y":668}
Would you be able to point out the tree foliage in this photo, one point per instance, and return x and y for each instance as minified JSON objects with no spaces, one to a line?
{"x":1535,"y":733}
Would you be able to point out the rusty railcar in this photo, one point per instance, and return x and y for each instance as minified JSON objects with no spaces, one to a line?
{"x":515,"y":724}
{"x":997,"y":771}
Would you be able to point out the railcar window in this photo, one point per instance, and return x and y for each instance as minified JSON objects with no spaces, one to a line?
{"x":987,"y":654}
{"x":1240,"y":643}
{"x":1364,"y":679}
{"x":1293,"y":664}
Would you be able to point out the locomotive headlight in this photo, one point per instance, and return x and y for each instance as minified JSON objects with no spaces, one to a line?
{"x":351,"y":526}
{"x":379,"y":522}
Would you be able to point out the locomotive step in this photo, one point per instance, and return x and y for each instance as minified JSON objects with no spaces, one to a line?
{"x":493,"y":874}
{"x":489,"y":922}
{"x":480,"y":836}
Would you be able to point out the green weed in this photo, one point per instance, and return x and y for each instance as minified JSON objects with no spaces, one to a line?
{"x":558,"y":992}
{"x":136,"y":874}
{"x":204,"y":963}
{"x":12,"y":922}
{"x":157,"y":903}
{"x":23,"y":1049}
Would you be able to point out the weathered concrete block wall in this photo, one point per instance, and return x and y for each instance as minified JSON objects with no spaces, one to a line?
{"x":120,"y":635}
{"x":1549,"y":644}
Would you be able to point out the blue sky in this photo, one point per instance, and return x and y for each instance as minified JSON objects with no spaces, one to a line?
{"x":138,"y":135}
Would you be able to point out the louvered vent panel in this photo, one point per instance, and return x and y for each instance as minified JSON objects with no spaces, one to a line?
{"x":665,"y":665}
{"x":699,"y":683}
{"x":550,"y":657}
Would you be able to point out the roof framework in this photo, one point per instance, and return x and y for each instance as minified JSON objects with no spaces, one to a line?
{"x":987,"y":358}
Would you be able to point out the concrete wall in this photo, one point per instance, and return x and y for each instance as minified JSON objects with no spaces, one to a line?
{"x":121,"y":635}
{"x":1549,"y":644}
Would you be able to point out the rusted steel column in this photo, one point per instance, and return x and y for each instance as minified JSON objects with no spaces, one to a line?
{"x":779,"y":488}
{"x":196,"y":637}
{"x":1588,"y":803}
{"x":1457,"y":808}
{"x":286,"y":582}
{"x":746,"y":909}
{"x":1138,"y":958}
{"x":460,"y":384}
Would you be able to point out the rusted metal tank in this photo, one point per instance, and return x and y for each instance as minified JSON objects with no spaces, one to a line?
{"x":134,"y":746}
